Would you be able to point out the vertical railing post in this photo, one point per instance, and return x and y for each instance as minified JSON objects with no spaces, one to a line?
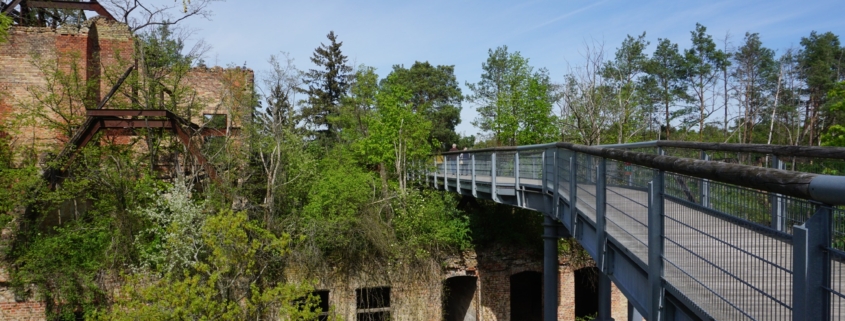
{"x":811,"y":267}
{"x":550,"y":268}
{"x":474,"y":188}
{"x":573,"y":191}
{"x":493,"y":178}
{"x":446,"y":173}
{"x":655,"y":245}
{"x":435,"y":172}
{"x":601,"y":224}
{"x":556,"y":192}
{"x":516,"y":179}
{"x":543,"y":176}
{"x":778,"y":202}
{"x":458,"y":174}
{"x":705,"y":185}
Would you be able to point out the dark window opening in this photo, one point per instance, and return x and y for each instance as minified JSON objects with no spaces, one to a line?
{"x":527,"y":296}
{"x":323,"y":305}
{"x":214,"y":120}
{"x":586,"y":292}
{"x":459,"y":294}
{"x":373,"y":304}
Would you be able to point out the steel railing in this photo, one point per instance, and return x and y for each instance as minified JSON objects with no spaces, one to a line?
{"x":732,"y":241}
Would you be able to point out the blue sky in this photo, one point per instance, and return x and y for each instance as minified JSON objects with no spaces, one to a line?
{"x":459,"y":32}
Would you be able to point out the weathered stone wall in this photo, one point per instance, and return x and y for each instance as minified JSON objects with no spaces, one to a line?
{"x":492,"y":268}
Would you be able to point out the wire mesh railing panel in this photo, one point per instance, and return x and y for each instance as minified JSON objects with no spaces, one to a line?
{"x":622,"y":174}
{"x":441,"y":166}
{"x":563,"y":174}
{"x":734,"y":271}
{"x":627,"y":205}
{"x":837,"y":285}
{"x":505,"y":162}
{"x":451,"y":165}
{"x":825,"y":166}
{"x":549,"y":168}
{"x":837,"y":229}
{"x":586,"y":171}
{"x":645,"y":150}
{"x":483,"y":166}
{"x":681,"y":152}
{"x":531,"y":167}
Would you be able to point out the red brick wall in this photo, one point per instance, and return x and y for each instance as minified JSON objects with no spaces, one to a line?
{"x":221,"y":91}
{"x":95,"y":49}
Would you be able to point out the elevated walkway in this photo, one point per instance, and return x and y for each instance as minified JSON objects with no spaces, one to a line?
{"x":682,"y":238}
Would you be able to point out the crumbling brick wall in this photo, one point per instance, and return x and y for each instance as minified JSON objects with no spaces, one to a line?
{"x":97,"y":50}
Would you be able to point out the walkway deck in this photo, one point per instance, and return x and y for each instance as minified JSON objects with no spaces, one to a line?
{"x":730,"y":271}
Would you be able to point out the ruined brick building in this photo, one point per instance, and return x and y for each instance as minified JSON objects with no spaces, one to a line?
{"x":495,"y":284}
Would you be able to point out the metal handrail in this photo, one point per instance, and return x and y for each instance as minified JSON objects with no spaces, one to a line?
{"x":826,"y":189}
{"x":777,"y":150}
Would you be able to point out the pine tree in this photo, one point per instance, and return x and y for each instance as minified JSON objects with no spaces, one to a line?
{"x":703,"y":63}
{"x":326,"y":87}
{"x":820,"y":60}
{"x":665,"y":72}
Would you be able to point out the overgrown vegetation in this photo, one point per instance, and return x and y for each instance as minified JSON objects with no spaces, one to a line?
{"x":317,"y":178}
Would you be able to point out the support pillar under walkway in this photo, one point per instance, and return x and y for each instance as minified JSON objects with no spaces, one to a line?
{"x":604,"y":298}
{"x":552,"y":231}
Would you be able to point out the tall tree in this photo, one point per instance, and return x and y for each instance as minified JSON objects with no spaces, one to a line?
{"x":703,"y":63}
{"x":326,"y":86}
{"x":757,"y":75}
{"x":820,"y":60}
{"x":434,"y":94}
{"x":666,"y":71}
{"x":509,"y":94}
{"x":623,"y":76}
{"x":585,"y":99}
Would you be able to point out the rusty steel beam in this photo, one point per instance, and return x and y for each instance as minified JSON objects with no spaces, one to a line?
{"x":11,"y":6}
{"x":186,"y":140}
{"x":136,"y":123}
{"x":90,"y":6}
{"x":126,"y":112}
{"x":115,"y":87}
{"x":218,"y":131}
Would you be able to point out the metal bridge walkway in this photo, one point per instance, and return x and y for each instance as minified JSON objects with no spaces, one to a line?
{"x":691,"y":239}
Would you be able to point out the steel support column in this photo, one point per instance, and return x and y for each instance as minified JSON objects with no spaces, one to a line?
{"x":655,"y":245}
{"x":474,"y":186}
{"x":777,"y":201}
{"x":550,"y":268}
{"x":705,"y":184}
{"x":601,"y":238}
{"x":811,"y":268}
{"x":493,"y":188}
{"x":573,"y":192}
{"x":633,"y":314}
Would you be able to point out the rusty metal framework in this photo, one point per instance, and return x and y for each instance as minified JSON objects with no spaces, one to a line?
{"x":33,"y":12}
{"x":125,"y":122}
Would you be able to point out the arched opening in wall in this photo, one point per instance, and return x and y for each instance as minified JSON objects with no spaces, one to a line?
{"x":459,"y":303}
{"x":527,"y":296}
{"x":586,"y":292}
